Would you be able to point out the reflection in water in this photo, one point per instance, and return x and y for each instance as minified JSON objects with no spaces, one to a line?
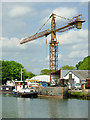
{"x":53,"y":108}
{"x":78,"y":108}
{"x":23,"y":107}
{"x":9,"y":107}
{"x":13,"y":107}
{"x":57,"y":108}
{"x":0,"y":107}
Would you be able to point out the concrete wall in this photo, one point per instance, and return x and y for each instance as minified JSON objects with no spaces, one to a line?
{"x":53,"y":91}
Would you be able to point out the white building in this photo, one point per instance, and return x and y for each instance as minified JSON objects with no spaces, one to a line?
{"x":79,"y":76}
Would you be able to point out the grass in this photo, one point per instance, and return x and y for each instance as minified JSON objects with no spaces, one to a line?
{"x":75,"y":94}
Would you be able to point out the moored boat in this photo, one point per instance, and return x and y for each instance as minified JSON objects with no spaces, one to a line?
{"x":26,"y":92}
{"x":6,"y":88}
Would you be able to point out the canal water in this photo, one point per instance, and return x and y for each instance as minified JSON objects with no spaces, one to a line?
{"x":16,"y":107}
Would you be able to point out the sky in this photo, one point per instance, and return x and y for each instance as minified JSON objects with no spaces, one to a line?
{"x":23,"y":19}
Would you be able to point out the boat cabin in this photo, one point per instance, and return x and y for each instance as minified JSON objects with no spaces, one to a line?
{"x":20,"y":85}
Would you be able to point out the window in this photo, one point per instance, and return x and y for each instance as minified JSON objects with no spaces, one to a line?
{"x":70,"y":76}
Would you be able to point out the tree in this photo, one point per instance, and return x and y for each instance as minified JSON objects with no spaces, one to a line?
{"x":11,"y":70}
{"x":67,"y":67}
{"x":45,"y":72}
{"x":30,"y":75}
{"x":84,"y":65}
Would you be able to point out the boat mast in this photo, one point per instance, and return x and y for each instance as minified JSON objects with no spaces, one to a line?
{"x":21,"y":74}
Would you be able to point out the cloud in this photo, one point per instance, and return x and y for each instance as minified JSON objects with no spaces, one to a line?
{"x":65,"y":11}
{"x":47,"y":58}
{"x":46,"y":11}
{"x":17,"y":11}
{"x":12,"y":43}
{"x":61,"y":11}
{"x":59,"y":56}
{"x":72,"y":37}
{"x":78,"y":54}
{"x":80,"y":46}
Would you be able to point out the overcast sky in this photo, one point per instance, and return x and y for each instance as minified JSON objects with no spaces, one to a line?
{"x":22,"y":19}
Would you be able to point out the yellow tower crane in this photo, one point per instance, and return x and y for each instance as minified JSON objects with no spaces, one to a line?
{"x":75,"y":22}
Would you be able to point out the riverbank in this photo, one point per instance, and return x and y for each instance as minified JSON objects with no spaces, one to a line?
{"x":81,"y":94}
{"x":78,"y":94}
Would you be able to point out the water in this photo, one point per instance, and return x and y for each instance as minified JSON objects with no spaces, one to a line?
{"x":13,"y":107}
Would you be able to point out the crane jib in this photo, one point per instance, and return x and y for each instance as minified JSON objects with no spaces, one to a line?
{"x":47,"y":32}
{"x":35,"y":36}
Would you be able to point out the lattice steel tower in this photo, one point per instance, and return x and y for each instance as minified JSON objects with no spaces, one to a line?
{"x":53,"y":47}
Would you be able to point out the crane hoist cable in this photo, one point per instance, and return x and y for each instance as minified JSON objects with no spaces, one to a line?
{"x":49,"y":19}
{"x":43,"y":25}
{"x":62,"y":17}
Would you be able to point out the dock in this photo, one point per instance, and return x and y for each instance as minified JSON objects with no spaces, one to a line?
{"x":56,"y":92}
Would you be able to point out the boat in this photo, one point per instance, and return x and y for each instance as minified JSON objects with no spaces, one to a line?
{"x":26,"y":92}
{"x":7,"y":88}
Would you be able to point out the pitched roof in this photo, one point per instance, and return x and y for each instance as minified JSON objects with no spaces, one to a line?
{"x":82,"y":74}
{"x":63,"y":73}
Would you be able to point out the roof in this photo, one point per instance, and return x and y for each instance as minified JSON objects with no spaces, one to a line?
{"x":19,"y":81}
{"x":63,"y":73}
{"x":42,"y":78}
{"x":82,"y":74}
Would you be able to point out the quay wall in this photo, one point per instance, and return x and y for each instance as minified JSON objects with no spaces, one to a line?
{"x":53,"y":91}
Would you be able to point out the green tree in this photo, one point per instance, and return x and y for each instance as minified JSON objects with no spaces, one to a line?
{"x":11,"y":70}
{"x":67,"y":67}
{"x":84,"y":65}
{"x":30,"y":75}
{"x":45,"y":72}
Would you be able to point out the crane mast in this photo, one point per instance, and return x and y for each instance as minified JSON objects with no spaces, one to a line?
{"x":53,"y":47}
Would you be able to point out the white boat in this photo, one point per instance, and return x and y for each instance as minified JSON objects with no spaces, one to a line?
{"x":26,"y":92}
